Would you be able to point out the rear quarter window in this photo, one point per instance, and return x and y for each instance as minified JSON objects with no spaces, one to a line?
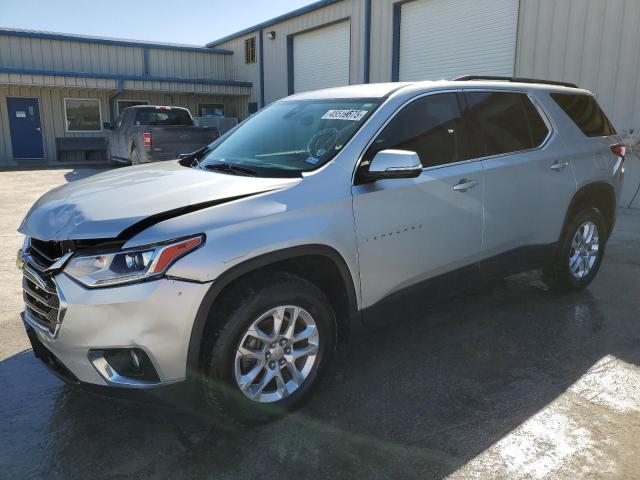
{"x":585,"y":113}
{"x":163,"y":116}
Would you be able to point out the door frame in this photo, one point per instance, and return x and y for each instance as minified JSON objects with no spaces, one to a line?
{"x":42,"y":132}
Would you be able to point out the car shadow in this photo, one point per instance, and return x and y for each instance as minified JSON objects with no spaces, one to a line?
{"x":417,"y":399}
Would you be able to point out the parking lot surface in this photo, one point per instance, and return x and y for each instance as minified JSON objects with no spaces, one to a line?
{"x":507,"y":381}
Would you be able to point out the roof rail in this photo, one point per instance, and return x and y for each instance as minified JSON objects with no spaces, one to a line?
{"x":466,"y":78}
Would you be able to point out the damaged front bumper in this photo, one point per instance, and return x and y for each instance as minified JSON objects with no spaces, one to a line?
{"x":132,"y":337}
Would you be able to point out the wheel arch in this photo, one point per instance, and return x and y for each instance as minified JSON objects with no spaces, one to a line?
{"x":286,"y":259}
{"x":597,"y":194}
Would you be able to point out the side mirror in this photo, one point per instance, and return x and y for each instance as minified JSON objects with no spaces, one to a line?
{"x":394,"y":164}
{"x":107,"y":126}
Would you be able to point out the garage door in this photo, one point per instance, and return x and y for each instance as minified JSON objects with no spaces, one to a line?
{"x":321,"y":58}
{"x":448,"y":38}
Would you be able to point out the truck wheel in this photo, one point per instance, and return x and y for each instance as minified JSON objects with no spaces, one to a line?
{"x":276,"y":334}
{"x":580,"y":253}
{"x":135,"y":158}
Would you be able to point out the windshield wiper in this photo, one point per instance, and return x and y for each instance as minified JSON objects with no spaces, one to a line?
{"x":234,"y":169}
{"x":195,"y":157}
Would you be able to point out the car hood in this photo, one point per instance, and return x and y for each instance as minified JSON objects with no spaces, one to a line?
{"x":118,"y":203}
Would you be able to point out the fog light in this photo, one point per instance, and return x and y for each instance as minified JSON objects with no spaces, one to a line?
{"x":124,"y":366}
{"x":135,"y":360}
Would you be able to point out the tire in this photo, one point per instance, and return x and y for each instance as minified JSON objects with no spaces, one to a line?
{"x":241,"y":310}
{"x":135,"y":158}
{"x":576,"y":262}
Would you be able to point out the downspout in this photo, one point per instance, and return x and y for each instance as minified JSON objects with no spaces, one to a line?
{"x":367,"y":39}
{"x":395,"y":52}
{"x":261,"y":66}
{"x":112,"y":100}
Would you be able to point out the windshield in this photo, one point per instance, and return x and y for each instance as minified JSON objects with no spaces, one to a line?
{"x":291,"y":137}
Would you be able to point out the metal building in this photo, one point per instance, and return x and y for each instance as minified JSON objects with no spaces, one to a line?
{"x":593,"y":43}
{"x":55,"y":86}
{"x":67,"y":85}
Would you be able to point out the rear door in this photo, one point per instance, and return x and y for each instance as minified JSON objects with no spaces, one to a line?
{"x":527,"y":174}
{"x":412,"y":230}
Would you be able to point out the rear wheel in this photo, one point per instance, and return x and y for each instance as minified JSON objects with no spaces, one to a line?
{"x":135,"y":158}
{"x":579,"y":256}
{"x":276,"y":337}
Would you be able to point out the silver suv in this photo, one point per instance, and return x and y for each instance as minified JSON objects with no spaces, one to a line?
{"x":239,"y":267}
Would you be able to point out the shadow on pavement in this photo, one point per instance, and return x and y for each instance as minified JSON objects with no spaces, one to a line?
{"x":417,"y":399}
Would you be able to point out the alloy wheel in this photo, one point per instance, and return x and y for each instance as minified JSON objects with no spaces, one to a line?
{"x":585,"y":249}
{"x":276,"y":354}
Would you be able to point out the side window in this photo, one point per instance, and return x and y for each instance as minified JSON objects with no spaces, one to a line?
{"x":431,"y":126}
{"x":585,"y":113}
{"x":509,"y":122}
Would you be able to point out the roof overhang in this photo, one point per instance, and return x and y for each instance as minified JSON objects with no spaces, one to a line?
{"x":12,"y":32}
{"x":57,"y":78}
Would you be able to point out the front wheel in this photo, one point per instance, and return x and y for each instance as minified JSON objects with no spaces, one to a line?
{"x":276,"y":337}
{"x":579,"y":256}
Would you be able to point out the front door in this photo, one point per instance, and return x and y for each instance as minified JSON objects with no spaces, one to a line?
{"x":24,"y":124}
{"x":413,"y":230}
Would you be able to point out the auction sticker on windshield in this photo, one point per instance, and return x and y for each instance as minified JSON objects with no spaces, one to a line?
{"x":352,"y":115}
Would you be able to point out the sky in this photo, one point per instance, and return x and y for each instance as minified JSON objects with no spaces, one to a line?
{"x":194,"y":22}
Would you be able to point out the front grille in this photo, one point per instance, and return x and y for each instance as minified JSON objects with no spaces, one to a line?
{"x":42,"y":304}
{"x":39,"y":292}
{"x":46,"y":253}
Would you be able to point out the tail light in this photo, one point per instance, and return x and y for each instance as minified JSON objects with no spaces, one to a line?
{"x":147,"y":141}
{"x":619,"y":149}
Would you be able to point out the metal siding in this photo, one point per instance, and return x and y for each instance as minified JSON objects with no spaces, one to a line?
{"x":275,"y":51}
{"x":448,"y":38}
{"x":235,"y":106}
{"x":68,"y":55}
{"x":381,"y":40}
{"x":236,"y":66}
{"x":321,"y":58}
{"x":588,"y":42}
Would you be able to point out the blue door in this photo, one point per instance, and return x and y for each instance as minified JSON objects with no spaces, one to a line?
{"x":24,"y":123}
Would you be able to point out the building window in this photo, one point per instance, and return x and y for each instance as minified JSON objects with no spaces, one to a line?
{"x":211,"y":110}
{"x":250,"y":50}
{"x":82,"y":114}
{"x":122,"y":104}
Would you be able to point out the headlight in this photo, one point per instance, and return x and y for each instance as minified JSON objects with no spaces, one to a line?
{"x":127,"y":266}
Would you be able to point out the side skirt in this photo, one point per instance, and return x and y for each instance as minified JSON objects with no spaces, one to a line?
{"x":415,"y":298}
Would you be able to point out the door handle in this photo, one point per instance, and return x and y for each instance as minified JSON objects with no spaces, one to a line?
{"x":557,"y":166}
{"x":464,"y":185}
{"x":37,"y":129}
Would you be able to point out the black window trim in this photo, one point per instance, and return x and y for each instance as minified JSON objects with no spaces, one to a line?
{"x":551,"y":130}
{"x":545,"y":118}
